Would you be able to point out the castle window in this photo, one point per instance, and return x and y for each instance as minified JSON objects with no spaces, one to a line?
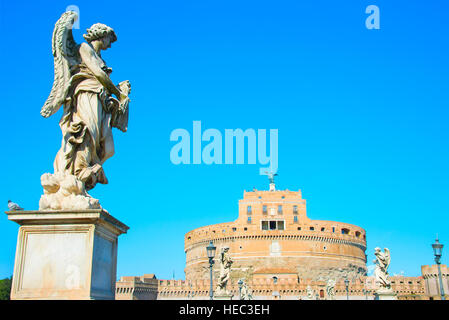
{"x":264,"y":225}
{"x":344,"y":231}
{"x":322,"y":229}
{"x":248,"y":210}
{"x":279,"y":209}
{"x":333,"y":229}
{"x":295,"y":219}
{"x":264,"y":209}
{"x":234,"y":229}
{"x":245,"y":229}
{"x":275,"y":280}
{"x":357,"y":234}
{"x":249,"y":219}
{"x":299,"y":228}
{"x":280,"y":225}
{"x":283,"y":197}
{"x":272,"y":225}
{"x":312,"y":228}
{"x":295,"y":209}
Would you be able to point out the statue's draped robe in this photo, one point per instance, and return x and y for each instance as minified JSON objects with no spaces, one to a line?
{"x":381,"y":271}
{"x":225,"y":269}
{"x":87,"y":129}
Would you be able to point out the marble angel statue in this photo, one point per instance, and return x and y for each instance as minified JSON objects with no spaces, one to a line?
{"x":246,"y":292}
{"x":310,"y":293}
{"x":225,"y":271}
{"x":381,"y":273}
{"x":330,"y":289}
{"x":82,"y":85}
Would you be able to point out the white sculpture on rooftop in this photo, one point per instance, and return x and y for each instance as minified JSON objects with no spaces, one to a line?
{"x":246,"y":293}
{"x":310,"y":293}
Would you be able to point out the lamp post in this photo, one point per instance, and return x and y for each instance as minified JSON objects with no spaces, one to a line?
{"x":438,"y":251}
{"x":211,"y":254}
{"x":347,"y":288}
{"x":240,"y":283}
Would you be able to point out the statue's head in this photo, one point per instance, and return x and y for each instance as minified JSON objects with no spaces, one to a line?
{"x":224,"y":249}
{"x":101,"y":32}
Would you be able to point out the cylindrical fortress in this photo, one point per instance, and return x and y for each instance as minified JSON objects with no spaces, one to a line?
{"x":274,"y":239}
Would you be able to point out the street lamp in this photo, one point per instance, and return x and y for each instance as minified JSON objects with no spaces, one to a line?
{"x":240,"y":283}
{"x":438,"y":251}
{"x":211,"y":254}
{"x":347,"y":288}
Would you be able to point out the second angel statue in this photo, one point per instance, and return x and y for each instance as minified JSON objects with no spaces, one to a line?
{"x":83,"y":86}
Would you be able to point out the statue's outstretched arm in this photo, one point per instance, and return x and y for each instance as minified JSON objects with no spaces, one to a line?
{"x":94,"y":63}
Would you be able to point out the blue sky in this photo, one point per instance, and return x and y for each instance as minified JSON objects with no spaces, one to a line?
{"x":362,"y":117}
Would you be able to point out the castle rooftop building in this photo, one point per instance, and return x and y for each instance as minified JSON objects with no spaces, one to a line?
{"x":273,"y":238}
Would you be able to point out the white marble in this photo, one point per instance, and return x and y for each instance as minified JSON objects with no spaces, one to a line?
{"x":93,"y":105}
{"x":65,"y":254}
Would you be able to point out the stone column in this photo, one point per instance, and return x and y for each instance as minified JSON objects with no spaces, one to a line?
{"x":65,"y":254}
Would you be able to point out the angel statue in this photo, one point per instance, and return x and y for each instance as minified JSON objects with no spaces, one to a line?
{"x":310,"y":293}
{"x":330,"y":288}
{"x":82,"y":84}
{"x":225,"y":271}
{"x":382,"y":262}
{"x":246,"y":293}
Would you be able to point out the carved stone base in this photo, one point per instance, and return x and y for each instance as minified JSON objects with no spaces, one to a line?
{"x":65,"y":192}
{"x":385,"y":295}
{"x":223,"y":296}
{"x":65,"y":254}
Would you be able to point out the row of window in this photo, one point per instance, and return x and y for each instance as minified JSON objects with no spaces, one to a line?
{"x":272,"y":225}
{"x":249,"y":209}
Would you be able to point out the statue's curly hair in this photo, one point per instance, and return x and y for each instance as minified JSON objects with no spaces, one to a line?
{"x":98,"y":31}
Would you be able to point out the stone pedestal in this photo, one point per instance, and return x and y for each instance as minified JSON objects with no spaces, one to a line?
{"x":223,"y":297}
{"x":65,"y":254}
{"x":385,"y":295}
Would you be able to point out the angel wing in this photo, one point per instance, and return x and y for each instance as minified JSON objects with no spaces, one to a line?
{"x":387,"y":258}
{"x":65,"y":53}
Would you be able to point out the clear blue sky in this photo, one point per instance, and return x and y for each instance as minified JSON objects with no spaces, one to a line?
{"x":363,"y":117}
